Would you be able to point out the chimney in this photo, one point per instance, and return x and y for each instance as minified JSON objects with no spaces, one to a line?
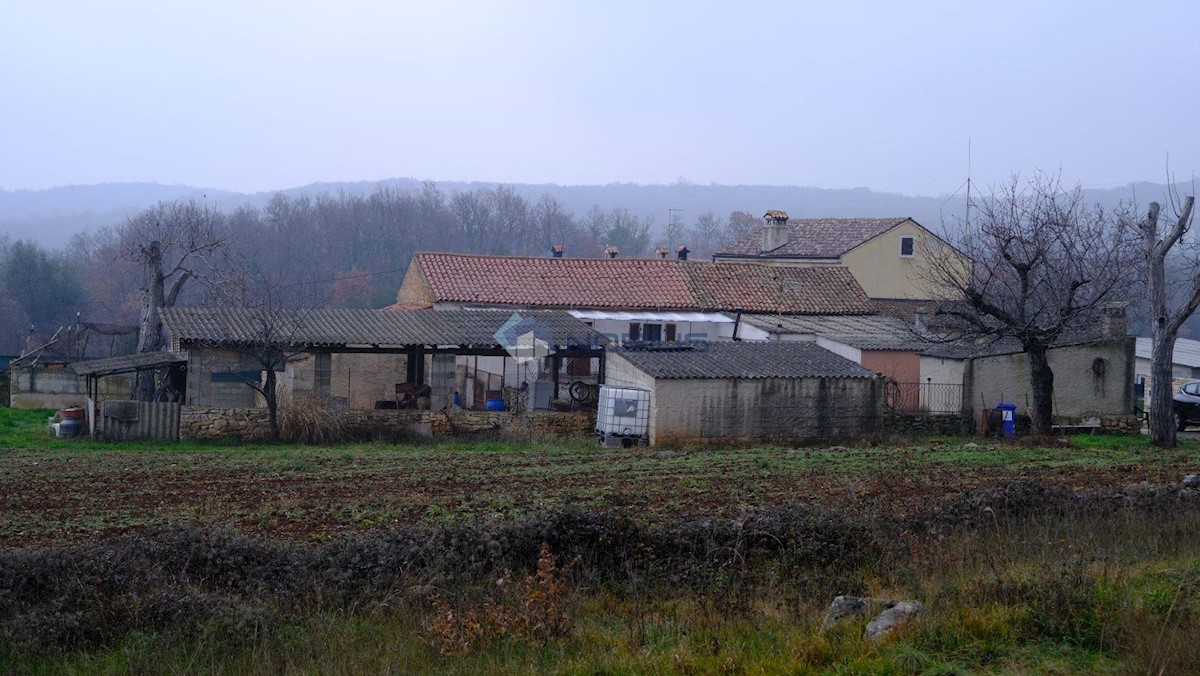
{"x":775,"y":230}
{"x":921,"y":320}
{"x":1112,"y":323}
{"x":611,"y":251}
{"x":556,"y":251}
{"x":662,"y":252}
{"x":682,"y":252}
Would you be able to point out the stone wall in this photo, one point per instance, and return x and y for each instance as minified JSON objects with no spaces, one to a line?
{"x":206,"y":422}
{"x":1079,"y":392}
{"x":252,"y":424}
{"x":56,"y":386}
{"x":918,"y":424}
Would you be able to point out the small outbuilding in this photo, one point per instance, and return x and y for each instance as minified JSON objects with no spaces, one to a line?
{"x":749,"y":391}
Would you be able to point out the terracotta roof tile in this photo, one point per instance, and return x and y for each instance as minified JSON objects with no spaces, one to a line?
{"x":647,"y":284}
{"x":815,"y":237}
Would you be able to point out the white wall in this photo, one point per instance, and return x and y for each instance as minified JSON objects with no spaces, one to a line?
{"x":942,"y":371}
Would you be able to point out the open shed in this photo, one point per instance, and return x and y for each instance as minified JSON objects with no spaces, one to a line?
{"x":749,"y":391}
{"x":369,"y":358}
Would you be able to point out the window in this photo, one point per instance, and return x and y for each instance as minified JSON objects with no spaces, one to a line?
{"x":635,"y":331}
{"x":908,"y":246}
{"x":1192,"y":389}
{"x":670,"y":337}
{"x":652,"y":333}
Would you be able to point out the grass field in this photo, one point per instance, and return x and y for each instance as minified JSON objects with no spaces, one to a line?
{"x":51,"y":491}
{"x":689,"y":560}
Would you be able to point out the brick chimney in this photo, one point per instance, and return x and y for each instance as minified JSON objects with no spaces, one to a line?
{"x":611,"y":251}
{"x":682,"y":252}
{"x":662,"y":252}
{"x":1112,"y":322}
{"x":556,"y":251}
{"x":775,"y":230}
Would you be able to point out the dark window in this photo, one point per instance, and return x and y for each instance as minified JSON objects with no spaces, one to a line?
{"x":635,"y":331}
{"x":653,"y":333}
{"x":908,"y":246}
{"x":670,"y":333}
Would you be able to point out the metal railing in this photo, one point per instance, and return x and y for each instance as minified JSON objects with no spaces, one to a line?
{"x":923,"y":397}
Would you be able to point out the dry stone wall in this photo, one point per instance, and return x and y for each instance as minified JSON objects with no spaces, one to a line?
{"x":252,"y":424}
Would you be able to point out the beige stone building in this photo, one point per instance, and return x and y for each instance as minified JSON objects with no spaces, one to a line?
{"x":892,"y":258}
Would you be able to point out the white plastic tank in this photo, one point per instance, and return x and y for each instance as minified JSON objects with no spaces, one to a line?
{"x":623,"y":412}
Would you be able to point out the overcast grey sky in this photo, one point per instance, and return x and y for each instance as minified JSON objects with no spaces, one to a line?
{"x":252,"y":95}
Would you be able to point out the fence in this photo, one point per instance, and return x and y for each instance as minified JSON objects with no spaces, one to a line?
{"x":923,"y":397}
{"x":134,"y":420}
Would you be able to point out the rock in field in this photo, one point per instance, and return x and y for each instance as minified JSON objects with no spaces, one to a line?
{"x":897,"y":615}
{"x":845,"y":609}
{"x":1191,"y":481}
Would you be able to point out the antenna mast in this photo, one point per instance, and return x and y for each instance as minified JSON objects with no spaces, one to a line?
{"x":967,"y":217}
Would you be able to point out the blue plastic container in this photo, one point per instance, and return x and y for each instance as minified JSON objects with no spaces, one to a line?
{"x":494,"y":405}
{"x":1008,"y":419}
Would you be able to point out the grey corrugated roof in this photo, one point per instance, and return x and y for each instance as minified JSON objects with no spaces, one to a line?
{"x":318,"y":328}
{"x":1187,"y":352}
{"x":127,"y":363}
{"x":371,"y":328}
{"x":866,"y":332}
{"x":744,"y":359}
{"x":556,"y":327}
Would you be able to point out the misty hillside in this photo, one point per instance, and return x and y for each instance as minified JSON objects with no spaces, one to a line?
{"x":51,"y":216}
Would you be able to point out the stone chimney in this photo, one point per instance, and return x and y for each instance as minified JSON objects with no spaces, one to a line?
{"x":921,"y":320}
{"x":556,"y":251}
{"x":682,"y":252}
{"x":611,"y":251}
{"x":775,"y":230}
{"x":1112,"y":321}
{"x":662,"y":252}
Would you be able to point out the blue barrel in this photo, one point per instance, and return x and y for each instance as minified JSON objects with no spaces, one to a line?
{"x":494,"y":405}
{"x":1008,"y":419}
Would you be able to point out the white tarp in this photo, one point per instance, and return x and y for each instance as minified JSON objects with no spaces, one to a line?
{"x":652,"y":316}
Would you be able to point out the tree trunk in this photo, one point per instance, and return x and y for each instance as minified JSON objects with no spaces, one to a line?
{"x":150,"y":335}
{"x":1162,"y":395}
{"x":1041,"y":378}
{"x":272,"y":403}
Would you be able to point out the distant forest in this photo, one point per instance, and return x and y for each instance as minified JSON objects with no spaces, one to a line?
{"x":69,"y":252}
{"x":344,"y":249}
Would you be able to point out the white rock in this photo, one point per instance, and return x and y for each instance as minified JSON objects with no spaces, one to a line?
{"x":896,"y":616}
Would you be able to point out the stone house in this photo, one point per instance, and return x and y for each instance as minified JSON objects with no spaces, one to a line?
{"x":890,"y":257}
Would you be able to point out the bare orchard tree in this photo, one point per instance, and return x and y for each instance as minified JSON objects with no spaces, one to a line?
{"x":1165,"y":322}
{"x":277,"y":318}
{"x":175,"y":243}
{"x":1045,"y":266}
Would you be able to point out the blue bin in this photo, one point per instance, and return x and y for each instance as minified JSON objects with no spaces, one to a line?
{"x":1008,"y":419}
{"x":494,"y":405}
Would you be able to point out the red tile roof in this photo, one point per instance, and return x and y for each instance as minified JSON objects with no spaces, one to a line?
{"x":636,"y":283}
{"x":815,"y":237}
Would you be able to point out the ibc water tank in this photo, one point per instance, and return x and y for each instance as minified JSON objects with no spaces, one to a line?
{"x":623,"y":412}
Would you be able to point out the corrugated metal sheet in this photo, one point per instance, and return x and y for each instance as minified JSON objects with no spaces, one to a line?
{"x":773,"y":359}
{"x":1187,"y":352}
{"x":137,"y":420}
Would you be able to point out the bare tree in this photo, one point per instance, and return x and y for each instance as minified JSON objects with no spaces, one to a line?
{"x":1045,"y":267}
{"x":279,"y":317}
{"x":708,"y":235}
{"x":174,"y":242}
{"x":1164,"y":322}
